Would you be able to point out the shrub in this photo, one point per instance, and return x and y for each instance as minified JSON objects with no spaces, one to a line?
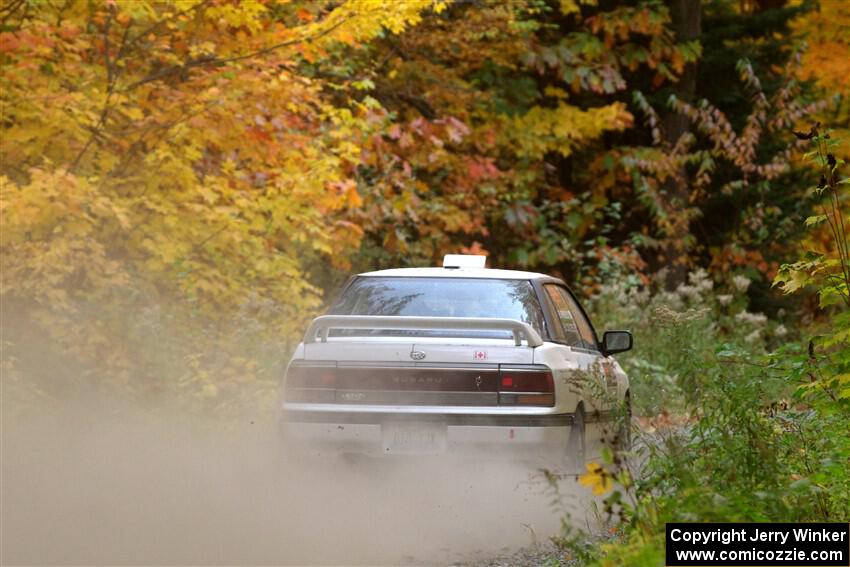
{"x":754,"y":436}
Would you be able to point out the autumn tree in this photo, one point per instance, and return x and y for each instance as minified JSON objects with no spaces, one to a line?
{"x":722,"y":192}
{"x":166,"y":170}
{"x":487,"y":107}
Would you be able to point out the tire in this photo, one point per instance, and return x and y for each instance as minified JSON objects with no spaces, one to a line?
{"x":577,"y":443}
{"x":624,"y":435}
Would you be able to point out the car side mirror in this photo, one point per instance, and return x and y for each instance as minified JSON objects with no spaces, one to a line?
{"x":616,"y":341}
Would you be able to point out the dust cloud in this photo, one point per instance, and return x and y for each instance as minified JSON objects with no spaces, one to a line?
{"x":91,"y":484}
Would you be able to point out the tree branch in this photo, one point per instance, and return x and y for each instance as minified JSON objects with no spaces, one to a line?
{"x":207,"y":61}
{"x":9,"y":10}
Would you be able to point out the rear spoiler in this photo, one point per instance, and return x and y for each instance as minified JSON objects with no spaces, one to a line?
{"x":318,"y":330}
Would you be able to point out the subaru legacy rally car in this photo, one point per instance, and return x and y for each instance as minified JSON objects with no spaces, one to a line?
{"x":433,"y":360}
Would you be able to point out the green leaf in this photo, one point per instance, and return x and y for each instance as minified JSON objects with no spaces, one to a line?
{"x":792,"y":279}
{"x":815,"y":220}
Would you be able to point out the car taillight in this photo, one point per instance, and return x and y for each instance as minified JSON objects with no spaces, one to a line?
{"x":311,"y":377}
{"x":311,"y":384}
{"x":526,"y":387}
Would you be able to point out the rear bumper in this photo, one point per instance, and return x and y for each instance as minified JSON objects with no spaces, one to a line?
{"x":540,"y":445}
{"x":540,"y":437}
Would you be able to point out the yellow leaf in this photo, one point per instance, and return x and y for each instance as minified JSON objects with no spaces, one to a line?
{"x":597,"y":478}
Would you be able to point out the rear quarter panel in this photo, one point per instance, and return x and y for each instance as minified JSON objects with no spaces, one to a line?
{"x":581,"y":376}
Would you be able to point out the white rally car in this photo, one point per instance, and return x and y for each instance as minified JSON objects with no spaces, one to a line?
{"x":430,"y":360}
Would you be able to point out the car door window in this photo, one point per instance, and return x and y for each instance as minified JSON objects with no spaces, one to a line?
{"x":565,"y":328}
{"x":575,"y":330}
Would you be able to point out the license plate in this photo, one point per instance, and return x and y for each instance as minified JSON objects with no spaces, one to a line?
{"x":413,"y":438}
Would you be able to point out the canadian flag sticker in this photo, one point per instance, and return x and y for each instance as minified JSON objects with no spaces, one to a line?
{"x":479,"y":355}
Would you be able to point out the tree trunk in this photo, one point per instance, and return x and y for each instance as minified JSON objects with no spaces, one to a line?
{"x":687,"y":26}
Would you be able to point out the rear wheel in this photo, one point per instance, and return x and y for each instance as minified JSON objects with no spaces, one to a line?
{"x":576,"y":443}
{"x":624,"y":434}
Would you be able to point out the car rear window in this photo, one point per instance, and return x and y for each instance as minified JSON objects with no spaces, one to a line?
{"x":443,"y":297}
